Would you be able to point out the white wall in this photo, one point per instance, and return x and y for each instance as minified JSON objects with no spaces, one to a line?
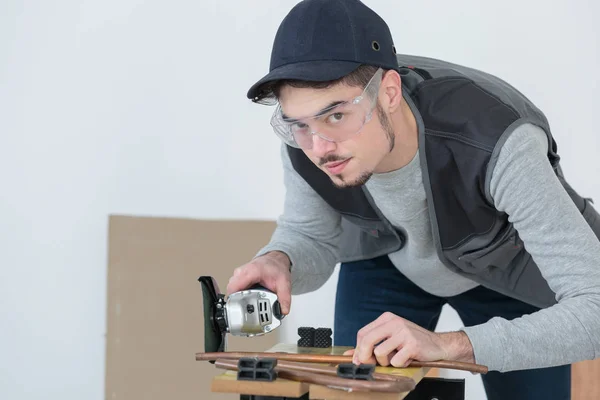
{"x":131,"y":106}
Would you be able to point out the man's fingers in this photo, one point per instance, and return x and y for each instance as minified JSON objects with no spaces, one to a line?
{"x":234,"y":284}
{"x":365,"y":330}
{"x":284,"y":294}
{"x":247,"y":275}
{"x":403,"y":357}
{"x":382,"y":319}
{"x":387,"y":349}
{"x":370,"y":360}
{"x":367,"y":343}
{"x":243,"y":278}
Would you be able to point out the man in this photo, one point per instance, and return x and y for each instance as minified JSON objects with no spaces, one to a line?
{"x":432,"y":184}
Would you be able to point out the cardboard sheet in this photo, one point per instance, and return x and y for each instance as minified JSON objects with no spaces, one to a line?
{"x":154,"y":315}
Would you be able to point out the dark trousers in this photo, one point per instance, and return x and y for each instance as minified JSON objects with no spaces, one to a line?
{"x":366,"y":289}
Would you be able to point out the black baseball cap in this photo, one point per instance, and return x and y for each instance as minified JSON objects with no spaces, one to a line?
{"x":323,"y":40}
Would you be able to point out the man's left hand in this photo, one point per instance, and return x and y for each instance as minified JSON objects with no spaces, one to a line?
{"x":392,"y":340}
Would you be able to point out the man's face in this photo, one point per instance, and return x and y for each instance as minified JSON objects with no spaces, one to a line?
{"x":350,"y":162}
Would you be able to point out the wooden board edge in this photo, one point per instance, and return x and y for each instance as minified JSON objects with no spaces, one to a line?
{"x":322,"y":392}
{"x":227,"y":383}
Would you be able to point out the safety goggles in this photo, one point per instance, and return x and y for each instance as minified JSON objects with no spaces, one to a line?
{"x":336,"y":123}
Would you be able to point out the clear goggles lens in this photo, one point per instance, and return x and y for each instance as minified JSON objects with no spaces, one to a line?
{"x":336,"y":124}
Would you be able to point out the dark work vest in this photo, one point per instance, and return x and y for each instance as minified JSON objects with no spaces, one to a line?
{"x":463,"y":116}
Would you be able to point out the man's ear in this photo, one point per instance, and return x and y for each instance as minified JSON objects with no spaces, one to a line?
{"x":392,"y":90}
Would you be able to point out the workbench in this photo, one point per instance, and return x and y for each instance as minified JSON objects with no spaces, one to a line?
{"x":282,"y":389}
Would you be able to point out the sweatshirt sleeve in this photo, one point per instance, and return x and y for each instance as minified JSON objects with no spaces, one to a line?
{"x":308,"y":232}
{"x":565,"y":249}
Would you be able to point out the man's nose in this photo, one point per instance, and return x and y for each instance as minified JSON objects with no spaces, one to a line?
{"x":320,"y":146}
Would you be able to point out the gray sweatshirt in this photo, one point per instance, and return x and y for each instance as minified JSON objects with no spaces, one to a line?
{"x":524,"y":186}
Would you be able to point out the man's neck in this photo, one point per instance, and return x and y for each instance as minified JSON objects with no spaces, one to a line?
{"x":406,"y":143}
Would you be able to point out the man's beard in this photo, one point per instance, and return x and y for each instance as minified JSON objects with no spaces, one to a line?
{"x":340,"y":183}
{"x":364,"y":177}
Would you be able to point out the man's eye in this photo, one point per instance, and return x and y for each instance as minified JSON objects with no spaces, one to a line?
{"x":335,"y":117}
{"x":299,"y":126}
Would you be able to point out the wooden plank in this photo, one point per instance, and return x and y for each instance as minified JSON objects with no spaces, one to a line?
{"x":585,"y":380}
{"x":228,"y":383}
{"x":294,"y":349}
{"x":322,"y":392}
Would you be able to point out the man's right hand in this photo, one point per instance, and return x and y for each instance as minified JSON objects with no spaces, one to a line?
{"x":271,"y":270}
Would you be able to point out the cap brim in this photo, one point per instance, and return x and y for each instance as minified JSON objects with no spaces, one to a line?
{"x":316,"y":71}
